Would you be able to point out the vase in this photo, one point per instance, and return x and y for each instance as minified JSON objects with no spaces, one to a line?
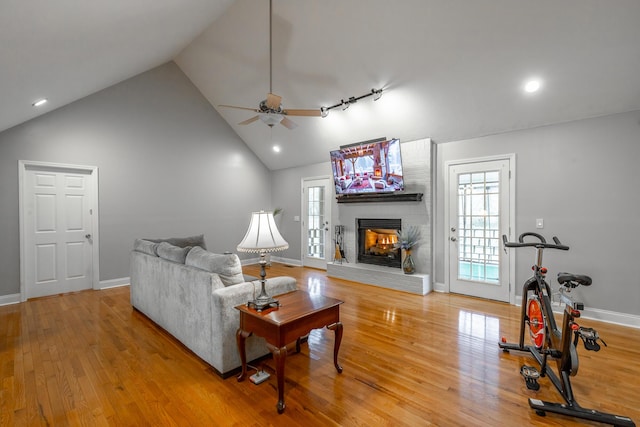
{"x":408,"y":266}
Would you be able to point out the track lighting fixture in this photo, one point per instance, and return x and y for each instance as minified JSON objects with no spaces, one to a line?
{"x":376,"y":93}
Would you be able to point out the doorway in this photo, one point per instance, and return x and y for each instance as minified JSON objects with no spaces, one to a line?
{"x":58,"y":228}
{"x":316,"y":222}
{"x":480,"y":210}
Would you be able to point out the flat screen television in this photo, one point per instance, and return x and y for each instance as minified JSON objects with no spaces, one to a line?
{"x":368,"y":167}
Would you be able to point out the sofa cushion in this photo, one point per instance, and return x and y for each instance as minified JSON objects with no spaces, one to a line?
{"x":183,"y":242}
{"x":172,"y":253}
{"x":227,"y":266}
{"x":145,"y":246}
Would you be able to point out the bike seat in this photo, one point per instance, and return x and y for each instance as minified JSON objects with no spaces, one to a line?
{"x":573,"y":280}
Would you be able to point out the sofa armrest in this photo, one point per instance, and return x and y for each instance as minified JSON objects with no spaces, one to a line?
{"x":226,"y":319}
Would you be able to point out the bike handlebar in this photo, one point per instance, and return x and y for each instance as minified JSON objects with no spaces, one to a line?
{"x":541,"y":243}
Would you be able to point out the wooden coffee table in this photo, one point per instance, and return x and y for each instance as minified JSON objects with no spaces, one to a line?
{"x":298,"y":314}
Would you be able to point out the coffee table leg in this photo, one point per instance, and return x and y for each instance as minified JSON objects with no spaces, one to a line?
{"x":279,"y":355}
{"x":241,"y":337}
{"x":337,"y":328}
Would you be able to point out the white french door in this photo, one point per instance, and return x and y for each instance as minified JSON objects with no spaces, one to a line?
{"x":57,"y":228}
{"x":479,"y":201}
{"x":316,"y":222}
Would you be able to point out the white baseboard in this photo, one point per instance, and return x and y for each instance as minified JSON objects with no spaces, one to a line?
{"x":9,"y":299}
{"x":288,"y":261}
{"x":439,"y":287}
{"x":624,"y":319}
{"x":617,"y":318}
{"x":114,"y":283}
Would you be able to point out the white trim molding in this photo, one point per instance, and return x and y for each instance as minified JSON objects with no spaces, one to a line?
{"x":114,"y":283}
{"x":9,"y":299}
{"x":614,"y":317}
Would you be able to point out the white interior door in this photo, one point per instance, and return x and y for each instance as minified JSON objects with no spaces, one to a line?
{"x":316,"y":222}
{"x":57,"y":229}
{"x":479,"y":213}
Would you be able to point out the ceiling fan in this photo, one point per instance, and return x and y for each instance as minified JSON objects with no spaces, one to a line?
{"x":270,"y":110}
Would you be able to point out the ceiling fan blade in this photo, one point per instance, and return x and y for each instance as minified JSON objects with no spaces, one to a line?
{"x":289,"y":124}
{"x":302,"y":113}
{"x":239,"y":108}
{"x":273,"y":101}
{"x":251,"y":120}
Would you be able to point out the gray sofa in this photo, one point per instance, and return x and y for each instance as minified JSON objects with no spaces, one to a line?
{"x":191,"y":293}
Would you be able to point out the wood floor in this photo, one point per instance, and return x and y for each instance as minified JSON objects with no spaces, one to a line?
{"x":89,"y":359}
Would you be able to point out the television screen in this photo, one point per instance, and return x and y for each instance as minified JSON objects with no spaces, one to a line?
{"x":368,"y":167}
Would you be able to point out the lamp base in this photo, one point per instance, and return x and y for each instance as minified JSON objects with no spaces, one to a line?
{"x":263,"y":303}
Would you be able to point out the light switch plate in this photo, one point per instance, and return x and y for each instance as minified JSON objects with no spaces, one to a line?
{"x":539,"y":223}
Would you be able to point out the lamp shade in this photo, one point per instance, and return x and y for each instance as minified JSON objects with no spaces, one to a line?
{"x":262,"y":235}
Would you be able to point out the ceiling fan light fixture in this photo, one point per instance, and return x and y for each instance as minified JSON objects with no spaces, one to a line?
{"x":324,"y":112}
{"x":271,"y":119}
{"x":377,"y":94}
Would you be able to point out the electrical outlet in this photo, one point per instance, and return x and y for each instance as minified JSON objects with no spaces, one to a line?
{"x":259,"y":377}
{"x":539,"y":223}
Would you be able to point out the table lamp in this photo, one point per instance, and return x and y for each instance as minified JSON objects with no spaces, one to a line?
{"x":262,"y":237}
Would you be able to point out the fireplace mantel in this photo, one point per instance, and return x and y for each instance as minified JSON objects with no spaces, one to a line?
{"x":380,"y":197}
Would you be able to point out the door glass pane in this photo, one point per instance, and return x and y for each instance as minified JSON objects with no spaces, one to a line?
{"x":478,"y":222}
{"x":316,"y":220}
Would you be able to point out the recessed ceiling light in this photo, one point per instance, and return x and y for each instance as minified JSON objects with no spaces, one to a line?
{"x":276,"y":148}
{"x":39,"y":102}
{"x":532,"y":86}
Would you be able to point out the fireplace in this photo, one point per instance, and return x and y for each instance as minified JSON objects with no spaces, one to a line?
{"x":377,"y":239}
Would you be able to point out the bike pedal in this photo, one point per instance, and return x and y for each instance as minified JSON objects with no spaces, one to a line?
{"x":530,"y":375}
{"x":590,"y":338}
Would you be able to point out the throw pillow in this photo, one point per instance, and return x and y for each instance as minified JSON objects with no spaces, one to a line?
{"x":145,"y":246}
{"x":183,"y":242}
{"x":171,"y":252}
{"x":227,"y":266}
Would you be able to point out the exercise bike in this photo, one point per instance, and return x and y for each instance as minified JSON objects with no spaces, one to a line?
{"x":548,"y":343}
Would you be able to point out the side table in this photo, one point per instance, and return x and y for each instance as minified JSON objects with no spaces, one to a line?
{"x":298,"y":314}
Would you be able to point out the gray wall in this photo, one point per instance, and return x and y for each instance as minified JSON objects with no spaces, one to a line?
{"x":582,"y":177}
{"x":168,"y":166}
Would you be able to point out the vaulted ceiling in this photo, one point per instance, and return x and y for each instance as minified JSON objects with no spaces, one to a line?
{"x":450,"y":69}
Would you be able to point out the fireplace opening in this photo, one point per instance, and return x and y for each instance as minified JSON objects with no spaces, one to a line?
{"x":377,"y":240}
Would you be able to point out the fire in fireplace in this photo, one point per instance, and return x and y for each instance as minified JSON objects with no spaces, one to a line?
{"x":377,"y":239}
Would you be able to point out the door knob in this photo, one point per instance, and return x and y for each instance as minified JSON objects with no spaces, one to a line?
{"x":453,"y":229}
{"x":453,"y":239}
{"x":87,"y":236}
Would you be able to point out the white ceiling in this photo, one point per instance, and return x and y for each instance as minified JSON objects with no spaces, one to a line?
{"x":451,"y":69}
